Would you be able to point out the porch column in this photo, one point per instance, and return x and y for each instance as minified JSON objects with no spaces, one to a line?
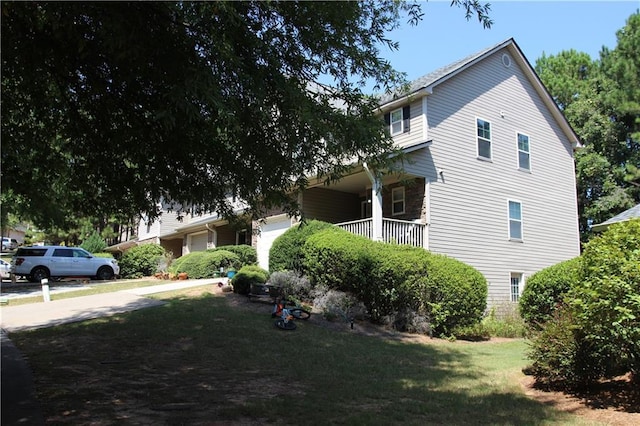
{"x":376,"y":205}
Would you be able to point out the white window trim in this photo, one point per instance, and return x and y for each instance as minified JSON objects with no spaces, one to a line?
{"x":475,"y":130}
{"x":518,"y":150}
{"x":521,"y":284}
{"x":391,"y":122}
{"x":393,"y":200}
{"x":521,"y":220}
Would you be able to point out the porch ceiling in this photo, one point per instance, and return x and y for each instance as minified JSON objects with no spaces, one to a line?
{"x":358,"y":181}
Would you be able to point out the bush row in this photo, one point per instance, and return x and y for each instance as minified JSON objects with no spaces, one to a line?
{"x":393,"y":281}
{"x":147,"y":259}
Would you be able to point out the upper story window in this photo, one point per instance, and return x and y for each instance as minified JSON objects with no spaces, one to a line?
{"x":398,"y":120}
{"x":484,"y":138}
{"x":397,"y":200}
{"x":515,"y":220}
{"x":524,"y":156}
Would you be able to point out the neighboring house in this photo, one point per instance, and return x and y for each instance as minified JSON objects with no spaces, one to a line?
{"x":187,"y":232}
{"x":17,"y":232}
{"x":632,"y":213}
{"x":490,"y":178}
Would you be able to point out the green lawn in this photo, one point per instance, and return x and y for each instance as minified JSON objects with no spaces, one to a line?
{"x":199,"y":360}
{"x":83,"y":290}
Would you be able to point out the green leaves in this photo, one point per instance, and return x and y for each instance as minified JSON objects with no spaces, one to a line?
{"x":601,"y":99}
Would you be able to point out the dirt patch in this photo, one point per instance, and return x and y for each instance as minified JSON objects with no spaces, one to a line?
{"x":614,"y":402}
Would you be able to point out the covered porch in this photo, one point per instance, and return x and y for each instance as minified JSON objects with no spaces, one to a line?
{"x":392,"y":210}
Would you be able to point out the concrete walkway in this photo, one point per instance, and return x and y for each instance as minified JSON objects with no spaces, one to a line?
{"x":19,"y":404}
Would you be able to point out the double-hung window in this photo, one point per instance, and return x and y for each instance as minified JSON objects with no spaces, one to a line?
{"x":397,"y":200}
{"x":396,"y":121}
{"x":484,"y":139}
{"x":515,"y":220}
{"x":524,"y":156}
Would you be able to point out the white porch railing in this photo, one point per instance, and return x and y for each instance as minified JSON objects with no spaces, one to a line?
{"x":393,"y":230}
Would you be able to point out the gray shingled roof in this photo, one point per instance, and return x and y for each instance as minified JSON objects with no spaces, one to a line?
{"x":431,"y":78}
{"x":632,"y":213}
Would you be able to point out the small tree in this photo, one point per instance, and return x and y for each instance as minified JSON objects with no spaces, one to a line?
{"x":94,"y":243}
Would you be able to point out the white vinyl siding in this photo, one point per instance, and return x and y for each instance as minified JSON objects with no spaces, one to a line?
{"x":484,"y":138}
{"x":515,"y":221}
{"x":524,"y":155}
{"x":398,"y":201}
{"x":413,"y":125}
{"x":467,"y":205}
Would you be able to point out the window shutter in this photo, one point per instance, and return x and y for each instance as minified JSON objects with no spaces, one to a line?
{"x":406,"y":113}
{"x":387,"y":119}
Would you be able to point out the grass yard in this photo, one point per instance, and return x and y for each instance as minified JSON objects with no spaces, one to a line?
{"x":218,"y":359}
{"x":94,"y":287}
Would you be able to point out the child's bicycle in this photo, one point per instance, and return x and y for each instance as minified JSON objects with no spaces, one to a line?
{"x":287,"y":315}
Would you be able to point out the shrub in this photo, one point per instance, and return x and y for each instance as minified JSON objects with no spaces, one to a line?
{"x":452,"y":294}
{"x":339,"y":305}
{"x":595,"y":333}
{"x":105,"y":255}
{"x":247,"y":255}
{"x":405,"y":283}
{"x":296,"y":288}
{"x":94,"y":243}
{"x":504,"y":321}
{"x":286,"y":250}
{"x":607,"y":302}
{"x":337,"y":259}
{"x":562,"y":357}
{"x":141,"y":261}
{"x":546,"y":289}
{"x":205,"y":264}
{"x":247,"y":275}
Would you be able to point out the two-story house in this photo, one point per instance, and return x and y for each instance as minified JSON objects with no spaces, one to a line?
{"x":489,"y":178}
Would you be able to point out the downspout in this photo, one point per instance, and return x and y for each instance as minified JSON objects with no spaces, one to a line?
{"x":376,"y":204}
{"x":214,"y":240}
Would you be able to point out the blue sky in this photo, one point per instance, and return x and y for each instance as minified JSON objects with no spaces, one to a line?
{"x":444,"y":35}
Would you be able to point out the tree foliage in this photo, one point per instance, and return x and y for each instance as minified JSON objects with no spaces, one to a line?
{"x":601,"y":100}
{"x":109,"y":107}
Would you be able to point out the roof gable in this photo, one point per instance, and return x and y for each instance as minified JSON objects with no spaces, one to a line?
{"x":424,"y":85}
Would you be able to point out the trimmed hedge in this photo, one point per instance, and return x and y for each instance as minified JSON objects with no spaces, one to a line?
{"x":286,"y":251}
{"x":141,"y":261}
{"x":545,"y":290}
{"x":247,"y":275}
{"x":247,"y":255}
{"x":390,"y":278}
{"x":453,"y":294}
{"x":205,"y":264}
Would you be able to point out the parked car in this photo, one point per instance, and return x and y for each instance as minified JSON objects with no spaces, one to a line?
{"x":5,"y":269}
{"x":36,"y":263}
{"x":9,"y":244}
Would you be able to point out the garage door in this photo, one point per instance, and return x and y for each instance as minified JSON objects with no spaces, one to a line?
{"x":197,"y":242}
{"x":268,"y":233}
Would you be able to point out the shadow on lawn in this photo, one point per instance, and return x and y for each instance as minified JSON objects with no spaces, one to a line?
{"x":198,"y":360}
